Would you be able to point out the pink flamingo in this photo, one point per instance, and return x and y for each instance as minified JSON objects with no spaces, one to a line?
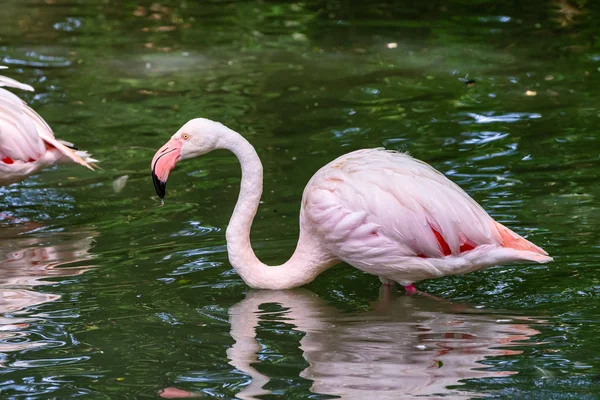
{"x":27,"y":143}
{"x":380,"y":211}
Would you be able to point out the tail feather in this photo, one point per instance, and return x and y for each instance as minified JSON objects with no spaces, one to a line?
{"x":532,"y":256}
{"x":85,"y":156}
{"x":79,"y":156}
{"x":529,"y":250}
{"x":68,"y":144}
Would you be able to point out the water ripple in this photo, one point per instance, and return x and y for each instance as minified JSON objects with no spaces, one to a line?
{"x":483,"y":137}
{"x":404,"y":348}
{"x":27,"y":259}
{"x":489,"y":117}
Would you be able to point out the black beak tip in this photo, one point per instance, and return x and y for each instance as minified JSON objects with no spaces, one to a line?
{"x":159,"y":186}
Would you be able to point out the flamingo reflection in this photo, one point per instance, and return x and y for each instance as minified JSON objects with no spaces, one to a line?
{"x":27,"y":259}
{"x":406,"y":347}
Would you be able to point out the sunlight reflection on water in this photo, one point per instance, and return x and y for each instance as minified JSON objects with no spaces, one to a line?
{"x":489,"y":117}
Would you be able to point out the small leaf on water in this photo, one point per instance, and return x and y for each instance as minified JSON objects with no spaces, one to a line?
{"x":119,"y":183}
{"x":438,"y":363}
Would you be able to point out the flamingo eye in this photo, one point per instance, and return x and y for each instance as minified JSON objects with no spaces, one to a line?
{"x":185,"y":136}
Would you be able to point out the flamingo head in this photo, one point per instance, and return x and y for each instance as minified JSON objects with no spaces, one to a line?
{"x":198,"y":136}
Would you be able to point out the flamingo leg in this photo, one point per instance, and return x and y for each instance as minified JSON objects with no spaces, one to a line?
{"x":410,"y":290}
{"x":387,"y":294}
{"x":387,"y":282}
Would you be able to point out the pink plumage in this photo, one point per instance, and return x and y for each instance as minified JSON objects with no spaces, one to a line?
{"x":391,"y":215}
{"x":27,"y":143}
{"x":380,"y":211}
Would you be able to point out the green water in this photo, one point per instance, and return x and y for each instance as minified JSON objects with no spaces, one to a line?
{"x":108,"y":294}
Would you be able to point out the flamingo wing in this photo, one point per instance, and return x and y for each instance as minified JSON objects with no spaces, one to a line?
{"x":24,"y":134}
{"x":19,"y":139}
{"x":380,"y":208}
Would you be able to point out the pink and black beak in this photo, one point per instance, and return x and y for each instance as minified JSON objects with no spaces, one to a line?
{"x":163,"y":162}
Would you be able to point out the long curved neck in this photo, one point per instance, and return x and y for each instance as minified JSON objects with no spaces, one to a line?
{"x":308,"y":260}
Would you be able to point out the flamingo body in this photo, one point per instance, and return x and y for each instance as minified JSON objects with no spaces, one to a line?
{"x":27,"y":143}
{"x":391,"y":215}
{"x":380,"y":211}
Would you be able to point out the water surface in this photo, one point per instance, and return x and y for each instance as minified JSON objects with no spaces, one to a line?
{"x":107,"y":293}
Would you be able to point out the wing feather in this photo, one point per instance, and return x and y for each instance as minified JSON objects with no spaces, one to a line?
{"x":19,"y":139}
{"x":23,"y":132}
{"x":392,"y":203}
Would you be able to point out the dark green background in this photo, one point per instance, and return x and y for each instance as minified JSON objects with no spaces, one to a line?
{"x":138,"y":294}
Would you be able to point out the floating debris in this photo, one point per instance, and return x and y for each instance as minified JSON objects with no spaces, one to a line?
{"x":119,"y":183}
{"x":544,"y":372}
